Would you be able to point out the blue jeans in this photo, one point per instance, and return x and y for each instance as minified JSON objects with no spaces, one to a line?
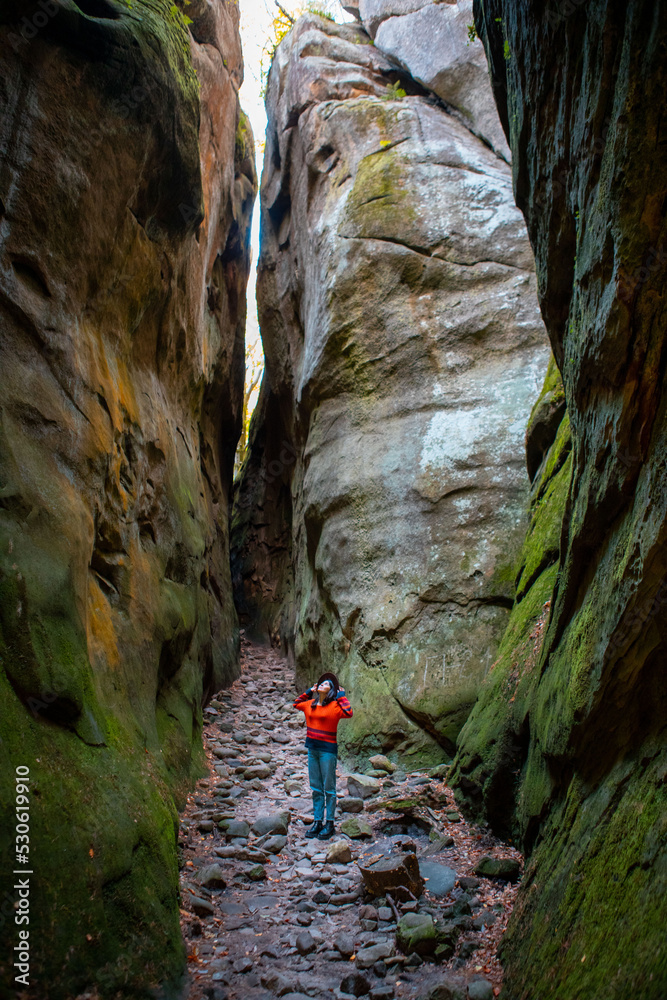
{"x":322,"y":778}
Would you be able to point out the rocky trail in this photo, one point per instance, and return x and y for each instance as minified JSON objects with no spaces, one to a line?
{"x":267,"y":912}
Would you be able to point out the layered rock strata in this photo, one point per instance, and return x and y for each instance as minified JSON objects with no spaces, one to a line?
{"x":126,"y":190}
{"x":382,"y":505}
{"x":566,"y":746}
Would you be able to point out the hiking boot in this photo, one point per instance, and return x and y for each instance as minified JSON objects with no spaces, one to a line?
{"x":327,"y":831}
{"x":313,"y":830}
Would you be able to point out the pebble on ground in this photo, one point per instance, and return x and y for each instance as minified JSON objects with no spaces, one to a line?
{"x":266,"y":912}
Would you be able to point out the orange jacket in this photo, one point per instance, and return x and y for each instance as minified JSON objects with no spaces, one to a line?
{"x":322,"y":721}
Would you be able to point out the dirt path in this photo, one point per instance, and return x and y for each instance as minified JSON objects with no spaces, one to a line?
{"x":287,"y":921}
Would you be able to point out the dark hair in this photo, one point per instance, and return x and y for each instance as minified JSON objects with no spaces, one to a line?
{"x":328,"y":697}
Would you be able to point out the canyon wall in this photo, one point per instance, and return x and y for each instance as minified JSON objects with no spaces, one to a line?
{"x":565,"y":748}
{"x":382,"y":505}
{"x":126,"y":190}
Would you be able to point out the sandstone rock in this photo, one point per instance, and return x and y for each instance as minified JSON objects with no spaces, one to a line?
{"x":382,"y":763}
{"x":362,"y":786}
{"x":411,"y":413}
{"x":355,"y":827}
{"x":431,"y":40}
{"x":126,"y":217}
{"x":367,"y":957}
{"x":339,"y":852}
{"x":274,"y":845}
{"x":235,"y":827}
{"x":601,"y":627}
{"x":275,"y":823}
{"x":351,"y":804}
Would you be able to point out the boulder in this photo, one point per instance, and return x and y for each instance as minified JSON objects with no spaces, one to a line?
{"x":344,"y":943}
{"x":202,"y":907}
{"x":305,"y":943}
{"x":480,"y":989}
{"x":450,"y":987}
{"x":351,"y":804}
{"x":257,"y":873}
{"x":356,"y":984}
{"x":260,"y":771}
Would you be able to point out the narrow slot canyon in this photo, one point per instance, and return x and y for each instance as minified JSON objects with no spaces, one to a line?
{"x":346,"y":680}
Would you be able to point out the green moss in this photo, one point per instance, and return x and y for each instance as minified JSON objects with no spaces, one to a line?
{"x":590,"y":922}
{"x":542,"y":543}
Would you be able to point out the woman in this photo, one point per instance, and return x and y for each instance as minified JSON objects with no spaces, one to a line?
{"x":323,"y":713}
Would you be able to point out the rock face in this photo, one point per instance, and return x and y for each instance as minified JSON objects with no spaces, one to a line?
{"x":382,"y":505}
{"x":126,"y":191}
{"x":435,"y":44}
{"x":566,"y":746}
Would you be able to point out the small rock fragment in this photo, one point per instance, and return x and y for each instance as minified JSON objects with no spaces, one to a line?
{"x":344,"y":943}
{"x":201,"y":907}
{"x":274,"y":845}
{"x":305,"y":943}
{"x":211,"y":877}
{"x":356,"y":984}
